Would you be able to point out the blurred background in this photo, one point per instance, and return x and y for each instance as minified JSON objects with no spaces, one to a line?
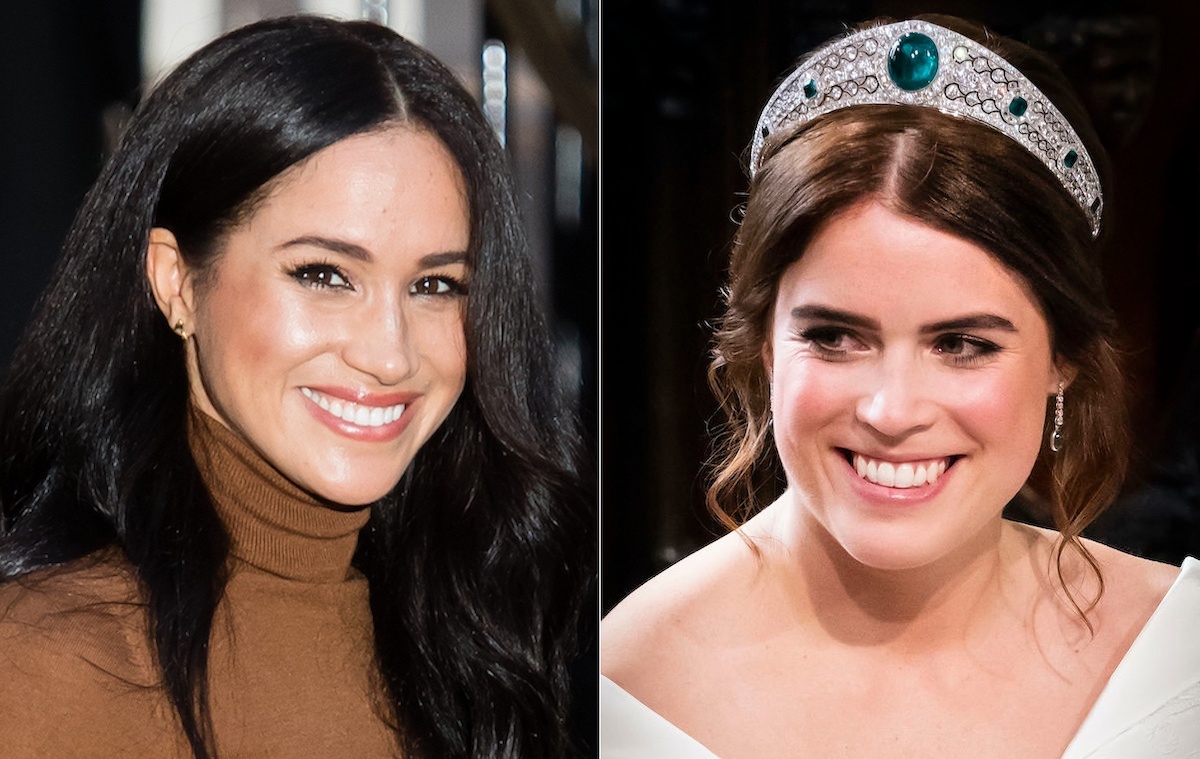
{"x":683,"y":83}
{"x":71,"y":71}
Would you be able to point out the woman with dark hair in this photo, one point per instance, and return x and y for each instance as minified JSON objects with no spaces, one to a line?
{"x":284,"y":468}
{"x":916,"y":335}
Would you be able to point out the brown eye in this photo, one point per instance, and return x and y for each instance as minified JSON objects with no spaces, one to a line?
{"x":832,"y":341}
{"x":440,"y":285}
{"x":964,"y":350}
{"x":320,"y":276}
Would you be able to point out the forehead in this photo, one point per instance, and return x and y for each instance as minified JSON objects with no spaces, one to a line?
{"x":369,"y":169}
{"x":397,"y":187}
{"x":892,"y":268}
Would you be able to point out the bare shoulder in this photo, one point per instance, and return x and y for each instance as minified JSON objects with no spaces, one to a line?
{"x":659,"y":628}
{"x":1130,"y":576}
{"x":1132,"y":586}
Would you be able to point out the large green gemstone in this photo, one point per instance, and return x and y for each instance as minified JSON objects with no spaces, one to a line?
{"x":913,"y":62}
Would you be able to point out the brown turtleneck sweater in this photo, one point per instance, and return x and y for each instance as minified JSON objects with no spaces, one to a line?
{"x":291,"y":660}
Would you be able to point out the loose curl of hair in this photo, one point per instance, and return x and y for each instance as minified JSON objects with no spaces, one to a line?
{"x":478,"y":561}
{"x":968,"y":180}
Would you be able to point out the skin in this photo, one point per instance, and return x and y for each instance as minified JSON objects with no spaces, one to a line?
{"x":854,"y":619}
{"x":868,"y":365}
{"x":347,"y":284}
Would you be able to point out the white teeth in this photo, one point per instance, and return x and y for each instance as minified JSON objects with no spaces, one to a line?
{"x":354,"y":413}
{"x":935,"y":471}
{"x":900,"y":476}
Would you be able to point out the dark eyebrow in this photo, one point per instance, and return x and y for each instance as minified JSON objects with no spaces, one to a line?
{"x":972,"y":321}
{"x":360,"y":253}
{"x":837,"y":316}
{"x":349,"y":249}
{"x":444,"y":259}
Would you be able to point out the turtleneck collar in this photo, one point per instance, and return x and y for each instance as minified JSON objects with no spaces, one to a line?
{"x":273,"y":525}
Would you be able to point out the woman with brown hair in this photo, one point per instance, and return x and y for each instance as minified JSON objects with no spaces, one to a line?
{"x":916,"y":336}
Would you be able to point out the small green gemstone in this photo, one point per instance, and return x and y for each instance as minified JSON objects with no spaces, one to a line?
{"x":810,"y":89}
{"x":913,"y":62}
{"x":1070,"y":158}
{"x":1017,"y":106}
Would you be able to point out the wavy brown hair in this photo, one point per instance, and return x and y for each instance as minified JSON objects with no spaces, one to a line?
{"x":968,"y":180}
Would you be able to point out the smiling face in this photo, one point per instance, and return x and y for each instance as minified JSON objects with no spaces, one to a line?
{"x":910,"y":373}
{"x":329,"y":330}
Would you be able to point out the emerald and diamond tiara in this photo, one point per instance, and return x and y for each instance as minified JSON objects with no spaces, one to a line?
{"x":919,"y":63}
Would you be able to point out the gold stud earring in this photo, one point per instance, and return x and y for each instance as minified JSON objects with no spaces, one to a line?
{"x":179,"y":330}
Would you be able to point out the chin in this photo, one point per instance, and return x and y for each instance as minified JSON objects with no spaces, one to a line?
{"x":891,"y":548}
{"x":357,"y":489}
{"x":357,"y":495}
{"x":349,"y":477}
{"x":886,"y":560}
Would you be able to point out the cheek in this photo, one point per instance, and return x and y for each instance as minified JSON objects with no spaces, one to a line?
{"x":244,"y":328}
{"x":1006,"y":413}
{"x":804,"y":396}
{"x":441,"y":341}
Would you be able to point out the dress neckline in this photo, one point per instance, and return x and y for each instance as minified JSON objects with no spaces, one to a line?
{"x":1148,"y":672}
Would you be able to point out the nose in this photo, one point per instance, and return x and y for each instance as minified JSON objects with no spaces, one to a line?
{"x":897,"y":401}
{"x":378,"y":342}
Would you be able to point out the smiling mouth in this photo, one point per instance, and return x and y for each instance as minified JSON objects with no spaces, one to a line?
{"x":355,"y":413}
{"x":900,"y":475}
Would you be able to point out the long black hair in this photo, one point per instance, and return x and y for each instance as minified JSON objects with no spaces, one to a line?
{"x":480,"y":558}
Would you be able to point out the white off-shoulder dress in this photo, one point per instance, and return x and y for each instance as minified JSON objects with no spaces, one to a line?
{"x":1150,"y":708}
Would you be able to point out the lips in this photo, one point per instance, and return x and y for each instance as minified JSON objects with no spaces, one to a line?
{"x":900,"y":474}
{"x":354,"y":412}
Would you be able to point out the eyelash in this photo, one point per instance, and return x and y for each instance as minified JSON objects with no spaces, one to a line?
{"x":454,"y":287}
{"x":970,"y":349}
{"x":979,"y":349}
{"x":821,"y":338}
{"x":318,"y":276}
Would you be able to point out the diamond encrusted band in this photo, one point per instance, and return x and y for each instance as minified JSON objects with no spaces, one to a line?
{"x":918,"y":63}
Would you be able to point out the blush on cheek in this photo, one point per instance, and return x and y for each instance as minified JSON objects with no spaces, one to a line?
{"x":1008,"y":414}
{"x":988,"y":404}
{"x":802,"y":391}
{"x":805,"y":399}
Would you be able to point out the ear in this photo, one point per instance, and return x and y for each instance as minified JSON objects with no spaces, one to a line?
{"x":170,"y":280}
{"x":1061,"y":372}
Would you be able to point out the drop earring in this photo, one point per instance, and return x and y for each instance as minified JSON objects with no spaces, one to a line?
{"x":1056,"y":437}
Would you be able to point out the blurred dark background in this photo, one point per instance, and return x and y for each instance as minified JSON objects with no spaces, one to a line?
{"x":683,"y":82}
